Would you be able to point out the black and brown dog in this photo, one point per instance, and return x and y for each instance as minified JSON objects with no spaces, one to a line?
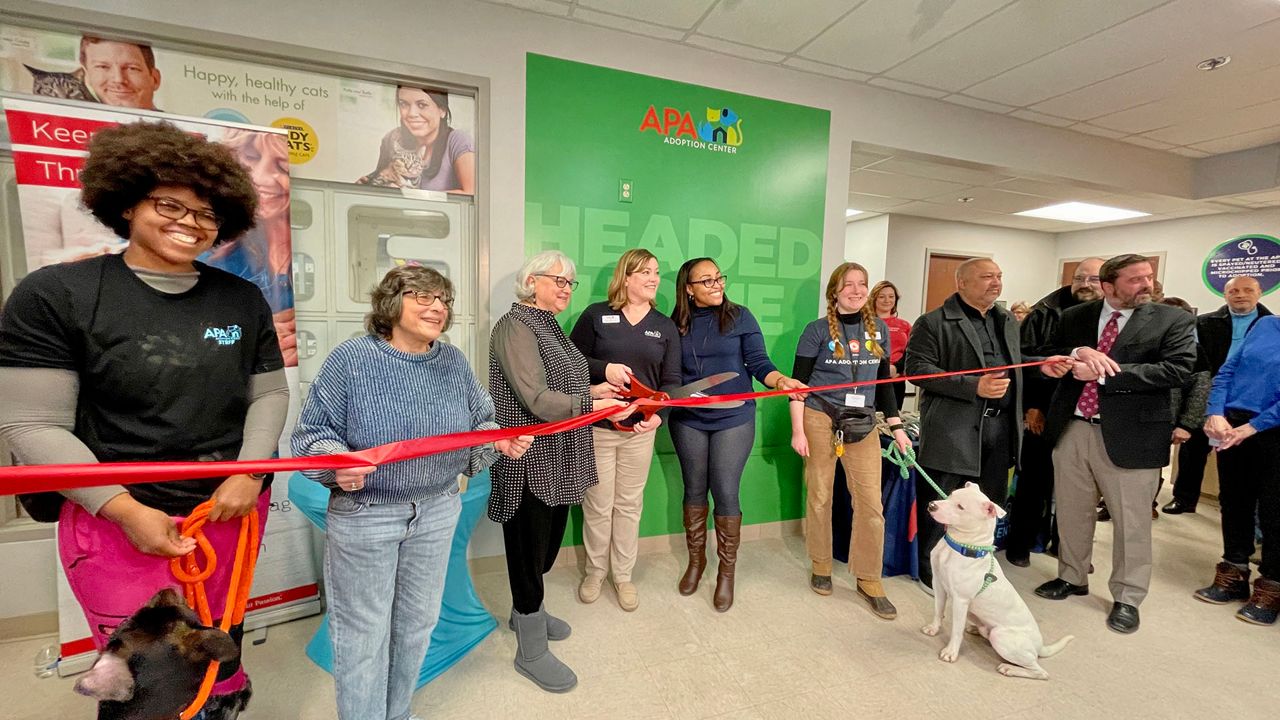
{"x":153,"y":664}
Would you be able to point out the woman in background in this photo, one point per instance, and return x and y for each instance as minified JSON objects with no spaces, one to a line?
{"x":884,"y":297}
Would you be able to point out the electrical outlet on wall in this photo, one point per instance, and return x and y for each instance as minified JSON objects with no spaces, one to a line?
{"x":625,"y":190}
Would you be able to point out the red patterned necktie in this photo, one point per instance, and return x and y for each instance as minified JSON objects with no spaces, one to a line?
{"x":1088,"y":404}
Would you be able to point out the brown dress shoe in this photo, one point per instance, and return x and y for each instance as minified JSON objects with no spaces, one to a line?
{"x":695,"y":536}
{"x":728,"y":537}
{"x":873,"y":592}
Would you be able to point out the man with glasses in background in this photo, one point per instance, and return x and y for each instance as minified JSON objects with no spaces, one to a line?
{"x":1031,"y":514}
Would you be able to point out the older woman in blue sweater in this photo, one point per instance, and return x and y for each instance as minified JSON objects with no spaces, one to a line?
{"x":390,"y":527}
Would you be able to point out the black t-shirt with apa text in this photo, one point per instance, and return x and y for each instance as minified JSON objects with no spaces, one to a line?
{"x":162,"y":376}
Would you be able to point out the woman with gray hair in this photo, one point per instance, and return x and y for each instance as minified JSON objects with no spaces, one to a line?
{"x":537,"y":375}
{"x":390,"y":528}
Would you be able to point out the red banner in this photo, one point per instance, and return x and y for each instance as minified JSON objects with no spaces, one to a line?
{"x":64,"y":132}
{"x":47,"y":169}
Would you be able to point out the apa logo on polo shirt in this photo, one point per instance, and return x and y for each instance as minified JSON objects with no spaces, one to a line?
{"x":653,"y":334}
{"x":230,"y":335}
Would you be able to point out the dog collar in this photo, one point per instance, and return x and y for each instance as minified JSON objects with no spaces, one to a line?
{"x":967,"y":550}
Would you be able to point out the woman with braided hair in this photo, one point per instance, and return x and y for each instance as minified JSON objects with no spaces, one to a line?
{"x":849,"y":344}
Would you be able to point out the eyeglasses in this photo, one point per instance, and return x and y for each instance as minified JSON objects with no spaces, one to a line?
{"x":709,"y":283}
{"x":427,"y":298}
{"x":1090,"y":279}
{"x":174,"y":210}
{"x":561,"y":282}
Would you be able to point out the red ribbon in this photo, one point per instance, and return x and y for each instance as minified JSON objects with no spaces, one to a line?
{"x":53,"y":478}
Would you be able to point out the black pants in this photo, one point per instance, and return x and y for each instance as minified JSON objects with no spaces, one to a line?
{"x":1031,"y":513}
{"x":997,"y":458}
{"x":1249,"y":483}
{"x":1192,"y":456}
{"x":532,"y":538}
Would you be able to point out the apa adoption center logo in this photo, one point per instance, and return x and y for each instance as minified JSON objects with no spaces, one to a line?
{"x":720,"y":132}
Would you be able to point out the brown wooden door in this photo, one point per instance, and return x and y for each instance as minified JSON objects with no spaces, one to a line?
{"x":940,"y":282}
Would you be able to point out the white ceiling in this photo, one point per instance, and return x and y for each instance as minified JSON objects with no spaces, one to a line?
{"x":1122,"y":69}
{"x":893,"y":181}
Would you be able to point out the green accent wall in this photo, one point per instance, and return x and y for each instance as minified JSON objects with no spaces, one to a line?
{"x":748,"y":189}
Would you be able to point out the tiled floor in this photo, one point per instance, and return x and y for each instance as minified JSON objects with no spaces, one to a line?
{"x":784,"y":652}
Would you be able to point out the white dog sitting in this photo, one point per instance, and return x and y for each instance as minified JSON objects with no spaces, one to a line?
{"x":982,"y":600}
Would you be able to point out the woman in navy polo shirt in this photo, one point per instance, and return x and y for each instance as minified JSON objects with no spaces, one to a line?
{"x":622,"y":338}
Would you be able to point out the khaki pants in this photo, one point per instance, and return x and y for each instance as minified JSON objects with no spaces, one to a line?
{"x":1082,"y":469}
{"x":611,"y":509}
{"x":861,"y":464}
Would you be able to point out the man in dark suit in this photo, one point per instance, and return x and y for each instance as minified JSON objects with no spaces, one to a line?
{"x":1110,"y":424}
{"x":1031,"y":513}
{"x":970,"y":425}
{"x":1220,"y":333}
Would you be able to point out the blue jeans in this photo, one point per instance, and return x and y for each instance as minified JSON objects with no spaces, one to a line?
{"x":713,"y":460}
{"x":384,"y":568}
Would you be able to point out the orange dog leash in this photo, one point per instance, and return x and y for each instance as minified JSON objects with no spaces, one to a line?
{"x":188,"y":571}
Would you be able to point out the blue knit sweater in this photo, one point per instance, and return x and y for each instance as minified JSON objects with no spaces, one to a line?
{"x":368,"y":393}
{"x":1248,"y":380}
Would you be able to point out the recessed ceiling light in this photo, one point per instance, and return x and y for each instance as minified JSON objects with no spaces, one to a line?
{"x":1082,"y":213}
{"x":850,"y":212}
{"x":1214,"y":63}
{"x":964,"y":200}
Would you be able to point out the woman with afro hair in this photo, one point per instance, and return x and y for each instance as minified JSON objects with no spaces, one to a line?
{"x":147,"y":355}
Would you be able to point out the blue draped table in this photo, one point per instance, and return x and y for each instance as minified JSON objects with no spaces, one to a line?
{"x":898,"y":495}
{"x":464,"y":621}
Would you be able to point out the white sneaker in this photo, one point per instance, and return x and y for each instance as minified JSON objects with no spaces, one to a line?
{"x":589,"y":590}
{"x":628,"y":596}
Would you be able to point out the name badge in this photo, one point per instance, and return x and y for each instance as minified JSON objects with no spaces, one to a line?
{"x":610,"y":319}
{"x":869,"y":336}
{"x":854,"y":400}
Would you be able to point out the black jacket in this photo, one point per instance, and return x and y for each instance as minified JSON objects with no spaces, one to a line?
{"x":1156,"y":351}
{"x":950,"y":410}
{"x":1214,"y":331}
{"x":1037,"y":332}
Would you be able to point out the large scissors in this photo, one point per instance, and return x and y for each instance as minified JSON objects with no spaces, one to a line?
{"x":637,"y":390}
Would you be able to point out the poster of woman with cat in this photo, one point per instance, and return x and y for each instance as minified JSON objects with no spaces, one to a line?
{"x":425,"y":152}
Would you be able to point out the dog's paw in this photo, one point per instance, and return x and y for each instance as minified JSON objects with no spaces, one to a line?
{"x":931,"y":629}
{"x":949,"y":655}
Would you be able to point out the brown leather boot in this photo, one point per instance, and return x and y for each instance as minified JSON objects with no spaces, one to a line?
{"x":1229,"y":583}
{"x":728,"y":537}
{"x":873,"y":592}
{"x":695,"y":536}
{"x":1264,"y":604}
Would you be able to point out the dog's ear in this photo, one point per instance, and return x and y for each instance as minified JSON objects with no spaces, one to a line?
{"x":108,"y":679}
{"x":995,"y":511}
{"x":969,"y":485}
{"x":208,"y":644}
{"x":167,"y":597}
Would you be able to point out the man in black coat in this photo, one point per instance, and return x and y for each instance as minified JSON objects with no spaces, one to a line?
{"x":970,"y":425}
{"x":1031,"y":514}
{"x":1110,"y":424}
{"x":1219,"y":333}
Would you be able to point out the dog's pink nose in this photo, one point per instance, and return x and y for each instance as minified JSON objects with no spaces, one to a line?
{"x":933,"y":506}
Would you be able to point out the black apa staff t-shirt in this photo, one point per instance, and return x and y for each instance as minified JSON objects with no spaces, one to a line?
{"x":162,"y":376}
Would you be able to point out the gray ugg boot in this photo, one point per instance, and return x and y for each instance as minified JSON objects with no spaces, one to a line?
{"x":534,"y":660}
{"x":557,"y":629}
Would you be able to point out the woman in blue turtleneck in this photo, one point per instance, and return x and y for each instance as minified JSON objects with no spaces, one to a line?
{"x":716,"y":336}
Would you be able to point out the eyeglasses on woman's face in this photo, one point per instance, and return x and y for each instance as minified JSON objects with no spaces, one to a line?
{"x":173,"y":210}
{"x":708,"y":283}
{"x":560,"y":281}
{"x":426,"y":299}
